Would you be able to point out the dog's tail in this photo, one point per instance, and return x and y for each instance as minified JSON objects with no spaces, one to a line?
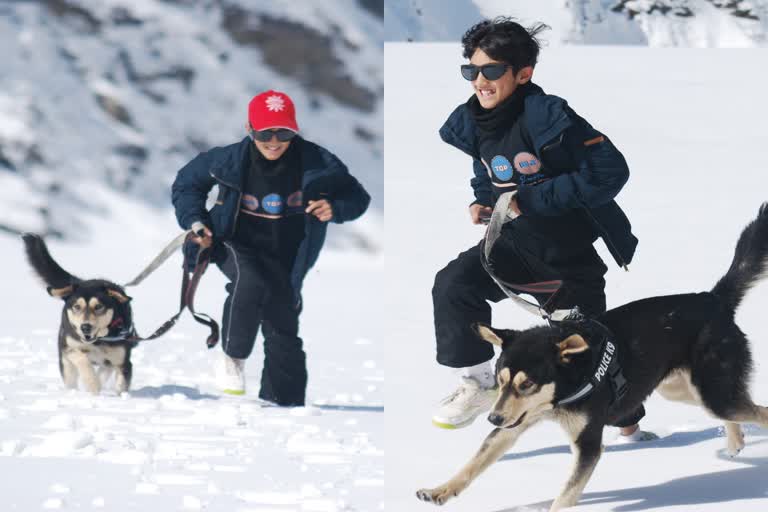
{"x":750,"y":262}
{"x":44,"y":265}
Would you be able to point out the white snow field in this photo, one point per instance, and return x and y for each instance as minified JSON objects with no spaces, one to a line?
{"x":692,"y":125}
{"x":173,"y":443}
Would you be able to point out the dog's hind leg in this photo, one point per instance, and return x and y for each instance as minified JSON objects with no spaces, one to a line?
{"x":494,"y":446}
{"x":587,"y":448}
{"x":735,"y":438}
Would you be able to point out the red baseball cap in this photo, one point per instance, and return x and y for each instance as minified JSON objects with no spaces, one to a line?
{"x":272,"y":109}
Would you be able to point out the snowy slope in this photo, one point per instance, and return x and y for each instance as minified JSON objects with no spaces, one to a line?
{"x":687,"y":23}
{"x":173,"y":443}
{"x":123,"y":95}
{"x":696,"y":150}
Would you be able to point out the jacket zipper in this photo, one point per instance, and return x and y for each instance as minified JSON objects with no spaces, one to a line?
{"x":558,"y":141}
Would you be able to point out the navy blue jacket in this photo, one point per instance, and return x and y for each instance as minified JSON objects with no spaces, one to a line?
{"x":324,"y":177}
{"x":591,"y":171}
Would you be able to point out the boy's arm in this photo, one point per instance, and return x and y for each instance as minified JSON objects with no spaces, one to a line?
{"x":190,"y":191}
{"x":349,"y":200}
{"x":599,"y":173}
{"x":481,"y":184}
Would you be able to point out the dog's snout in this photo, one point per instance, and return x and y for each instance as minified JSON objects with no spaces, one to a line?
{"x":496,"y":419}
{"x":86,"y":328}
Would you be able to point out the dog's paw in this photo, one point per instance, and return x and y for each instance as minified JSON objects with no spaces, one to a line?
{"x":735,"y":446}
{"x":438,"y":496}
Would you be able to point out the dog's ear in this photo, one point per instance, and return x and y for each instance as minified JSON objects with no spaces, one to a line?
{"x":573,"y":344}
{"x":118,"y":295}
{"x":61,"y":293}
{"x":494,"y":336}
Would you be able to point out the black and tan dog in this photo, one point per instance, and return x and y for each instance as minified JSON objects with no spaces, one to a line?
{"x":686,"y":347}
{"x":96,"y":323}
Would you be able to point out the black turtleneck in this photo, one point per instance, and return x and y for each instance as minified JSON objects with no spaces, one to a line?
{"x":271,"y":218}
{"x":505,"y":114}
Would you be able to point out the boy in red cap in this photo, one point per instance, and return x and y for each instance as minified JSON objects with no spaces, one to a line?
{"x":276,"y":193}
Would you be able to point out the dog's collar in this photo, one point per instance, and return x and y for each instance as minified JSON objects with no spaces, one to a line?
{"x":119,"y":331}
{"x":608,"y":368}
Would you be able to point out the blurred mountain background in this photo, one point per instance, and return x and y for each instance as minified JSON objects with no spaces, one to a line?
{"x":657,"y":23}
{"x":102,"y":101}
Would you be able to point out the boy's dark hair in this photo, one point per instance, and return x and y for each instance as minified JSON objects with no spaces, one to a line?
{"x":505,"y":40}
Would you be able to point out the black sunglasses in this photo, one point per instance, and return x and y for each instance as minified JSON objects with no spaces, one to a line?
{"x":282,"y":134}
{"x":489,"y":71}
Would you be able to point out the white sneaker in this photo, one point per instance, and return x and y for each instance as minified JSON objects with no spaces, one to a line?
{"x":461,"y":407}
{"x":230,"y":375}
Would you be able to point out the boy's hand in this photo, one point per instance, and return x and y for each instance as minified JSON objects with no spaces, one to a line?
{"x":202,"y":235}
{"x":478,"y":211}
{"x":321,"y":209}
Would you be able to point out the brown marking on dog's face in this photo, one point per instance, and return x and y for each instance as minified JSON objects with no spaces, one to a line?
{"x":521,"y":399}
{"x":89,"y":317}
{"x":504,"y":377}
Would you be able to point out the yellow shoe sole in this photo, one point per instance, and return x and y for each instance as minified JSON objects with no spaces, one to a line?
{"x":237,"y":392}
{"x":449,"y":426}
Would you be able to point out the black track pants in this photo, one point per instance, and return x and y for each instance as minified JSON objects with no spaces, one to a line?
{"x":260,"y":295}
{"x":463,"y":288}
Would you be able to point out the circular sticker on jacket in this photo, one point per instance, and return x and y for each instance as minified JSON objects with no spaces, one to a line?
{"x":273,"y":203}
{"x":501,"y":168}
{"x":250,"y":202}
{"x":295,"y":200}
{"x":527,"y":163}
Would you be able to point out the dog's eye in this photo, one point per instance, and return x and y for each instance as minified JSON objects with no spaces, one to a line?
{"x":526,"y":385}
{"x":77,"y":307}
{"x":98,"y":308}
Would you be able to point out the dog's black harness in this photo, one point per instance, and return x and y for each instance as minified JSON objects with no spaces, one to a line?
{"x":608,"y":369}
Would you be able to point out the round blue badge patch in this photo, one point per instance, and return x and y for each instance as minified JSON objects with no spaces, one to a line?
{"x":501,"y":168}
{"x":273,"y":203}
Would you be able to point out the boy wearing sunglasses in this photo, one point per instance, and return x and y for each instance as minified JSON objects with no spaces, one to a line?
{"x":566,"y":175}
{"x":276,"y":194}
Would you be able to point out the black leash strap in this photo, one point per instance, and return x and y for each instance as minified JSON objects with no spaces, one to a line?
{"x":188,"y":289}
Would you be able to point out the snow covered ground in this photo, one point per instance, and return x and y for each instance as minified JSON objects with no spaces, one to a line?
{"x":691,"y":124}
{"x":173,"y":443}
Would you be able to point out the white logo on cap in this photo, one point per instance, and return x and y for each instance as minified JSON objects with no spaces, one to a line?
{"x":275,"y":103}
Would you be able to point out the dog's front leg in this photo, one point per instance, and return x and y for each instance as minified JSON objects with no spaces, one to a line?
{"x":123,"y":378}
{"x":494,"y":446}
{"x":587,"y":449}
{"x":85,"y":369}
{"x":68,"y":372}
